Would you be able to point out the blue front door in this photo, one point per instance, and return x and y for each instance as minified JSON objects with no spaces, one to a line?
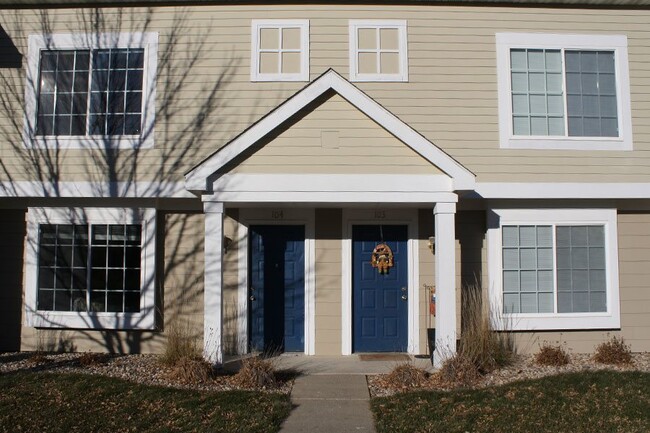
{"x":380,"y":300}
{"x":277,"y":288}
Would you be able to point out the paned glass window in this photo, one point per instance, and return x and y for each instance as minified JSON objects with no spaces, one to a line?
{"x":89,"y":268}
{"x":90,"y":92}
{"x":554,"y":269}
{"x":557,"y":92}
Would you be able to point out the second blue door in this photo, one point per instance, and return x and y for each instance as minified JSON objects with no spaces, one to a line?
{"x":277,"y":288}
{"x":380,"y":300}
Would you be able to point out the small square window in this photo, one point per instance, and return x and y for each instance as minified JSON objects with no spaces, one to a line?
{"x":378,"y":51}
{"x":280,"y":50}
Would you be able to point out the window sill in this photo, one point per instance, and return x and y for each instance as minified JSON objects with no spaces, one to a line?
{"x":379,"y":78}
{"x":279,"y":77}
{"x":558,"y":322}
{"x":81,"y":320}
{"x":544,"y":143}
{"x":97,"y":142}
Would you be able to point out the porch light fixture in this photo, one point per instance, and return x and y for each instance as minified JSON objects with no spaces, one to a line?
{"x":432,"y":244}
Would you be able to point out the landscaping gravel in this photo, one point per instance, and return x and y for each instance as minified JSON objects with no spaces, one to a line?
{"x":144,"y":369}
{"x":523,"y":368}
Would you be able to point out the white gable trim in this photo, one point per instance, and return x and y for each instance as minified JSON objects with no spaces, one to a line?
{"x":463,"y":179}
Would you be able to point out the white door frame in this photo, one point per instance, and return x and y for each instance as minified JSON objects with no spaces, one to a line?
{"x":276,"y":216}
{"x":388,"y":216}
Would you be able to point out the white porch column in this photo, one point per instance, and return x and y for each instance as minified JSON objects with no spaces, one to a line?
{"x":445,"y":281}
{"x":213,"y":282}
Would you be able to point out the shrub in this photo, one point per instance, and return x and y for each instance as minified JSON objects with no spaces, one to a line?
{"x":89,"y":359}
{"x":459,"y":370}
{"x":479,"y":343}
{"x":614,"y":351}
{"x":256,"y":373}
{"x":37,"y":358}
{"x":405,"y":376}
{"x":191,"y":371}
{"x":552,"y":355}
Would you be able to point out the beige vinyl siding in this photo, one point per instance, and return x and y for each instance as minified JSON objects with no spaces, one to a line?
{"x":363,"y":146}
{"x":205,"y":97}
{"x":634,"y":275}
{"x":328,"y":281}
{"x":181,"y":302}
{"x":12,"y":249}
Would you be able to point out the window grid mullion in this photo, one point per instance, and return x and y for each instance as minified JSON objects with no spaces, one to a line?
{"x":89,"y":98}
{"x":565,"y":93}
{"x":555,"y":294}
{"x":280,"y":50}
{"x":378,"y":52}
{"x":89,"y":268}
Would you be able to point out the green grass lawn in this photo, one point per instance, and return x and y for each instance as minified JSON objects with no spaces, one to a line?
{"x":597,"y":402}
{"x":49,"y":403}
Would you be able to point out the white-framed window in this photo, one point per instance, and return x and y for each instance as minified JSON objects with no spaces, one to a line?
{"x":378,"y":50}
{"x":563,"y":91}
{"x":280,"y":50}
{"x":90,"y":268}
{"x":90,"y":91}
{"x":554,"y":269}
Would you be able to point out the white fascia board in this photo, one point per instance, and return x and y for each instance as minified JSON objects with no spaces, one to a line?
{"x":196,"y":179}
{"x":95,"y":189}
{"x":562,"y":190}
{"x":333,"y":188}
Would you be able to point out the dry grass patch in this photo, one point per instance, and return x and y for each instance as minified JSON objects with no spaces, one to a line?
{"x":38,"y":358}
{"x":552,"y":355}
{"x":191,"y":371}
{"x":614,"y":352}
{"x":256,"y":373}
{"x":458,"y":371}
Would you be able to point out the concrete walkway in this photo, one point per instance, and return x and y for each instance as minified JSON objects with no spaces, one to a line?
{"x":331,"y":394}
{"x":330,"y":403}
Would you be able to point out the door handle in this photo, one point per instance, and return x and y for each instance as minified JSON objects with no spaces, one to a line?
{"x":252,"y":298}
{"x":404,"y":297}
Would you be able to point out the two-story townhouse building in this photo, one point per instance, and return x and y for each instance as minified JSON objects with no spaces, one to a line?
{"x":301,"y":177}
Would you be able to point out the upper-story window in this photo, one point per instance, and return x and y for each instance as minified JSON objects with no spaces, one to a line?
{"x":90,"y":90}
{"x":280,"y":50}
{"x":563,"y":92}
{"x":378,"y":51}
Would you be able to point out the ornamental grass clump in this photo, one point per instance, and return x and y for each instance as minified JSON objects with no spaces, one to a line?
{"x":256,"y":373}
{"x":613,"y":352}
{"x":479,"y":342}
{"x":405,"y":376}
{"x":481,"y":349}
{"x":182,"y":356}
{"x":552,"y":355}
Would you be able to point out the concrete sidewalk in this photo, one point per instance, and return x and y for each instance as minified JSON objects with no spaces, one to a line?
{"x":330,"y":403}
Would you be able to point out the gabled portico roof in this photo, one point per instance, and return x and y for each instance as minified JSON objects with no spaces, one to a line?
{"x":199,"y":179}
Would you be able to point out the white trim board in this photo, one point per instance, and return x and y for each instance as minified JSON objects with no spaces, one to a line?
{"x":563,"y":190}
{"x":277,"y":216}
{"x":376,"y":217}
{"x":198,"y":178}
{"x":333,"y":188}
{"x":140,"y":189}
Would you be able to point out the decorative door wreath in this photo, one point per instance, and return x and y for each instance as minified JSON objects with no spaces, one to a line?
{"x":382,"y":258}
